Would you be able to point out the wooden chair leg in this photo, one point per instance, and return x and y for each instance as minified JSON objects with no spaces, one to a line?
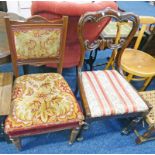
{"x":85,"y":126}
{"x":74,"y":134}
{"x":76,"y":89}
{"x":110,"y":62}
{"x":146,"y":83}
{"x":16,"y":142}
{"x":127,"y":130}
{"x":129,"y":77}
{"x":146,"y":136}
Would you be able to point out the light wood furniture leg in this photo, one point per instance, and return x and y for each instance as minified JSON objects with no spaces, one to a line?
{"x":110,"y":62}
{"x":146,"y":83}
{"x":129,"y":77}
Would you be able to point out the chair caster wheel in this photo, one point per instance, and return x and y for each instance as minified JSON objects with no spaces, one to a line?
{"x":79,"y":139}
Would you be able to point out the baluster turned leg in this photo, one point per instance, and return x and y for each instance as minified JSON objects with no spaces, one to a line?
{"x":74,"y":134}
{"x":131,"y":126}
{"x":146,"y":83}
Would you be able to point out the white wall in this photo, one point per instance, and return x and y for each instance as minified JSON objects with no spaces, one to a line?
{"x":22,"y":8}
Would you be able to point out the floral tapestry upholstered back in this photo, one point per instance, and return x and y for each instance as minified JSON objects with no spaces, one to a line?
{"x":37,"y":43}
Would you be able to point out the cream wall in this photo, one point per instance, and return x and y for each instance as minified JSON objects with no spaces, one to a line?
{"x":20,"y":7}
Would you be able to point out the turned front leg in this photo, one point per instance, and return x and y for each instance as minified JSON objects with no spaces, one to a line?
{"x":132,"y":125}
{"x":74,"y":134}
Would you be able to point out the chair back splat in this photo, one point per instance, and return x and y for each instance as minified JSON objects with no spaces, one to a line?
{"x":94,"y":17}
{"x":37,"y":41}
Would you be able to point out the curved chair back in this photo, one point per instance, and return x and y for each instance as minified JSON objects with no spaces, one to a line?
{"x":115,"y":44}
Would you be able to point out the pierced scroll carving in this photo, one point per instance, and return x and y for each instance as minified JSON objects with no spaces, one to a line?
{"x":96,"y":17}
{"x":103,"y":43}
{"x":114,"y":44}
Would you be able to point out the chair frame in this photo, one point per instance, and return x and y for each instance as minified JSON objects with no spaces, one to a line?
{"x":86,"y":45}
{"x":40,"y":22}
{"x":144,"y":21}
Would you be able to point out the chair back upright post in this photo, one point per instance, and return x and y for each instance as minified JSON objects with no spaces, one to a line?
{"x":145,"y":21}
{"x":37,"y":41}
{"x":117,"y":44}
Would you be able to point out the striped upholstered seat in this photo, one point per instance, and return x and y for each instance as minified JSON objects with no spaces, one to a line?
{"x":108,"y":93}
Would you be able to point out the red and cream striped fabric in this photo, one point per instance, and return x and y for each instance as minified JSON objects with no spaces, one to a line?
{"x":108,"y":93}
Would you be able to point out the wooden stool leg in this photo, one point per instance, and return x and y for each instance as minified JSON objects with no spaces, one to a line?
{"x":111,"y":60}
{"x":16,"y":142}
{"x":129,"y":77}
{"x":74,"y":134}
{"x":84,"y":126}
{"x":131,"y":126}
{"x":146,"y":136}
{"x":146,"y":83}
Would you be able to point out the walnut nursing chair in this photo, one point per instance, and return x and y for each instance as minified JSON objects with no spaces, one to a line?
{"x":137,"y":64}
{"x":105,"y":93}
{"x":41,"y":103}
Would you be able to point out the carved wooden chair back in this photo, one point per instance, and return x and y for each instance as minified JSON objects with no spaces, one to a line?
{"x":37,"y":41}
{"x":117,"y":43}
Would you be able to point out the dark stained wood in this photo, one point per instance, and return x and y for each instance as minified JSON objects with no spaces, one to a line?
{"x":36,"y":22}
{"x":87,"y":45}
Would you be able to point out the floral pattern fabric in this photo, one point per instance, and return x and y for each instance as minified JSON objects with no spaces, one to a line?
{"x":38,"y":43}
{"x":41,"y":100}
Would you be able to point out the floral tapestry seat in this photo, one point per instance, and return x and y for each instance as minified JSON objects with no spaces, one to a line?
{"x":41,"y":102}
